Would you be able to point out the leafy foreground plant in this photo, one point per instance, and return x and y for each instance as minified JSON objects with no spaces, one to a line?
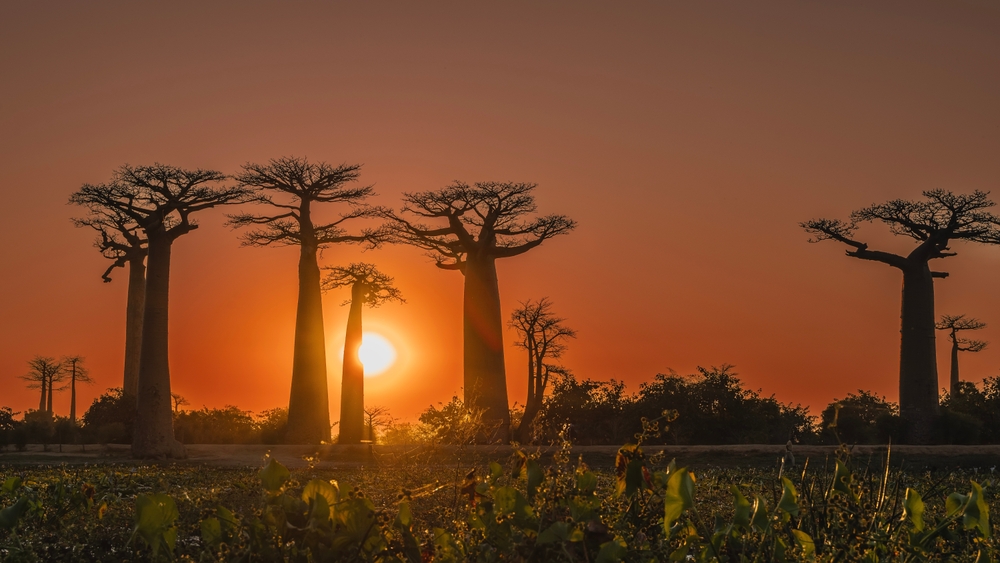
{"x":645,"y":510}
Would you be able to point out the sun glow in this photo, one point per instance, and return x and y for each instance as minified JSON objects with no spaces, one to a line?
{"x":377,"y":354}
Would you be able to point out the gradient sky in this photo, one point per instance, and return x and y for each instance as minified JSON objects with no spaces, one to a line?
{"x":687,"y":139}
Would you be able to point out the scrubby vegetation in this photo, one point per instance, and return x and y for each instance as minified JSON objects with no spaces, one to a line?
{"x":523,"y":508}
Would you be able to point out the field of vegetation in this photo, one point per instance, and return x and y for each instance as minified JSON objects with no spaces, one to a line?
{"x":520,"y":508}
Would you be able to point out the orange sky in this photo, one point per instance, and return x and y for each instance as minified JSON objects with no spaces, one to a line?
{"x":687,"y":139}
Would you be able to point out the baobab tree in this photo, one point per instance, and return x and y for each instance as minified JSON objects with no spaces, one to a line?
{"x":474,"y":226}
{"x":120,"y":240}
{"x":955,"y":324}
{"x":44,"y":372}
{"x":369,"y":287}
{"x":543,"y":337}
{"x":294,"y":188}
{"x":76,"y":373}
{"x":160,"y":199}
{"x":934,"y":223}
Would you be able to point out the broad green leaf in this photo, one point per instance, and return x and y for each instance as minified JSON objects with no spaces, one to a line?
{"x":155,"y":516}
{"x":780,"y":547}
{"x":613,"y":551}
{"x":320,"y":511}
{"x":913,"y":509}
{"x":11,"y":484}
{"x":10,"y":515}
{"x":789,"y":502}
{"x":274,"y":475}
{"x":586,"y":481}
{"x":318,"y":487}
{"x":806,"y":543}
{"x":629,"y":470}
{"x":955,"y":503}
{"x":405,"y":516}
{"x":741,"y":518}
{"x":211,"y":531}
{"x":226,"y":518}
{"x":678,"y":497}
{"x":759,"y":520}
{"x":977,"y":513}
{"x":557,"y":532}
{"x":495,"y":471}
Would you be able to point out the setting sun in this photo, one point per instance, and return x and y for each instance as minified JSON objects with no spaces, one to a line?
{"x":376,"y":353}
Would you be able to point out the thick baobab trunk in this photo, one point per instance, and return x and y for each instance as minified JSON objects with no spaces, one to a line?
{"x":485,"y":376}
{"x":48,"y":398}
{"x":352,"y":397}
{"x":133,"y":324}
{"x":154,"y":427}
{"x":918,"y":378}
{"x":954,"y":366}
{"x":308,"y":403}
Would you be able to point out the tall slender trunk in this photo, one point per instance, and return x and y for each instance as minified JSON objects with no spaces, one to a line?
{"x":352,"y":397}
{"x":133,"y":324}
{"x":918,"y":378}
{"x":48,"y":399}
{"x":154,"y":428}
{"x":41,"y":402}
{"x":954,"y":365}
{"x":72,"y":396}
{"x":485,"y":376}
{"x":309,"y":403}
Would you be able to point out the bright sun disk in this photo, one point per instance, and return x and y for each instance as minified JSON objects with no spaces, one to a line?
{"x":377,"y":354}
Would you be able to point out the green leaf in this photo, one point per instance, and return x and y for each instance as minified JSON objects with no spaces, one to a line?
{"x":977,"y":513}
{"x":495,"y":471}
{"x":613,"y":551}
{"x":629,"y":470}
{"x":806,"y":543}
{"x":789,"y":502}
{"x":913,"y":509}
{"x":9,"y":516}
{"x":11,"y":484}
{"x":274,"y":475}
{"x":155,"y":516}
{"x":329,"y":490}
{"x":405,"y":516}
{"x":955,"y":503}
{"x":741,"y":518}
{"x":320,"y":511}
{"x":211,"y":531}
{"x":558,"y":532}
{"x":586,"y":481}
{"x":678,"y":497}
{"x":759,"y":520}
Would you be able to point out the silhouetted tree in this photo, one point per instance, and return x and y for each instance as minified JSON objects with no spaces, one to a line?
{"x":294,"y":187}
{"x":369,"y":287}
{"x":161,"y":200}
{"x":474,"y":226}
{"x":376,"y":417}
{"x":76,"y":373}
{"x":121,"y":240}
{"x":936,"y":222}
{"x":45,"y":373}
{"x":954,"y":325}
{"x":543,"y":336}
{"x":178,"y":401}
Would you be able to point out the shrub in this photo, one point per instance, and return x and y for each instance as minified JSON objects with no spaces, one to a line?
{"x":862,"y":418}
{"x":111,"y":417}
{"x":228,"y":425}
